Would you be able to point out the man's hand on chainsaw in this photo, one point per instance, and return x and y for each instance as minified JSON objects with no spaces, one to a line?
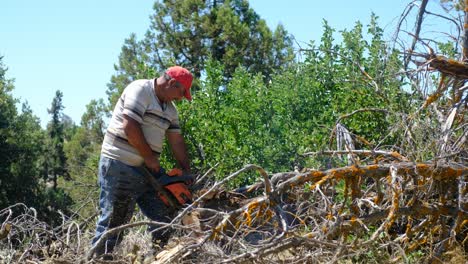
{"x":175,"y":172}
{"x":152,"y":164}
{"x":189,"y":180}
{"x":177,"y":184}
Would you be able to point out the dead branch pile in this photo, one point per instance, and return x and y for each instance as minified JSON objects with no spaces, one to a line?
{"x":370,"y":212}
{"x":325,"y":216}
{"x":23,"y":237}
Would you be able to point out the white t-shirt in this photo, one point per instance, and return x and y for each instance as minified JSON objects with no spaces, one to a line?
{"x":139,"y":101}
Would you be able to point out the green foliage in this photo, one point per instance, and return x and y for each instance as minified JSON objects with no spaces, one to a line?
{"x":22,"y":157}
{"x":56,"y":159}
{"x":248,"y":121}
{"x":93,"y":120}
{"x":454,"y":4}
{"x":69,"y":127}
{"x":189,"y":32}
{"x":356,"y":75}
{"x":18,"y":151}
{"x":82,"y":152}
{"x":132,"y":66}
{"x":51,"y":202}
{"x":448,"y":49}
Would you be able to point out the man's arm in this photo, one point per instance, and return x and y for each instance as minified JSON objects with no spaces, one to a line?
{"x":179,"y":149}
{"x":136,"y":138}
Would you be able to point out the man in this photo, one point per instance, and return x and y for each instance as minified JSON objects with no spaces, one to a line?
{"x":142,"y":117}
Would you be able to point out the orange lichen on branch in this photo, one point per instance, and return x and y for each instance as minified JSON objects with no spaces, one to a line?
{"x":324,"y":229}
{"x":424,"y":170}
{"x":371,"y":167}
{"x":439,"y":173}
{"x":312,"y":176}
{"x":435,"y":229}
{"x":393,"y":212}
{"x":256,"y":210}
{"x":397,"y":155}
{"x":416,"y":244}
{"x":217,"y":230}
{"x":409,"y":225}
{"x":431,"y":98}
{"x":312,"y":187}
{"x":356,"y":171}
{"x":268,"y":215}
{"x":315,"y":175}
{"x":455,"y":173}
{"x":461,"y":224}
{"x":263,"y":210}
{"x":449,"y":66}
{"x":337,"y":174}
{"x":251,"y":206}
{"x":247,"y":219}
{"x":378,"y":198}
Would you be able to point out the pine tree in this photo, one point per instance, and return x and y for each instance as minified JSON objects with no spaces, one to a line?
{"x":189,"y":32}
{"x":57,"y":160}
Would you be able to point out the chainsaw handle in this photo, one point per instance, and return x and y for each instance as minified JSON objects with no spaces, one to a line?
{"x":175,"y":172}
{"x":158,"y":187}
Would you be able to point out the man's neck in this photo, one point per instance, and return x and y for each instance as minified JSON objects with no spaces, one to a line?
{"x":157,"y":92}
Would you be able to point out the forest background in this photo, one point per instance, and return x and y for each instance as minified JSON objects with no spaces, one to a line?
{"x":258,"y":99}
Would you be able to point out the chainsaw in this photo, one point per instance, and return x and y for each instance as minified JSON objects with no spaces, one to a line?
{"x":172,"y":187}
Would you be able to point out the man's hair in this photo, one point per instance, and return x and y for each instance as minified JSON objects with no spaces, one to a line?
{"x":168,"y":78}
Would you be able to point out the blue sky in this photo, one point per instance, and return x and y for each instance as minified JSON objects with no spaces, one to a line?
{"x":72,"y":46}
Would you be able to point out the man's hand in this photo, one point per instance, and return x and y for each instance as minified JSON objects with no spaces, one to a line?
{"x":152,"y":164}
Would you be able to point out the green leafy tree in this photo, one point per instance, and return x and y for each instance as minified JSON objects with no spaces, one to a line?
{"x":248,"y":121}
{"x":358,"y":74}
{"x":93,"y":120}
{"x":82,"y":152}
{"x":19,"y":171}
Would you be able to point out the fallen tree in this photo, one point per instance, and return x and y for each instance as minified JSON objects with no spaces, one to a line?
{"x":389,"y":209}
{"x":401,"y":204}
